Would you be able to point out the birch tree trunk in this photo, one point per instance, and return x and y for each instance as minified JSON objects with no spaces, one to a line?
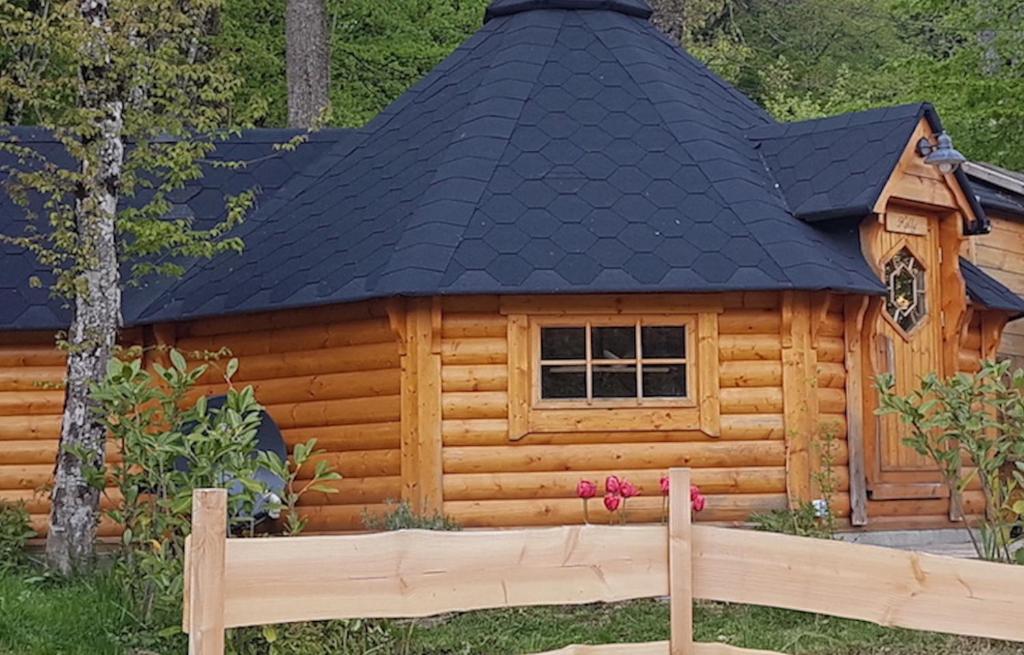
{"x":309,"y":62}
{"x":93,"y":335}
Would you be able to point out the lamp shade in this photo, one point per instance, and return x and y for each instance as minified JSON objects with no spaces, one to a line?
{"x":944,"y":156}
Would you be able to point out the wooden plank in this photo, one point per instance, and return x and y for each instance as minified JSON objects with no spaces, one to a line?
{"x":607,"y":304}
{"x":799,"y":393}
{"x":680,"y":564}
{"x":885,"y":586}
{"x":414,"y":573}
{"x":707,"y":372}
{"x":206,"y":606}
{"x":655,"y":648}
{"x":421,"y":408}
{"x":856,"y":310}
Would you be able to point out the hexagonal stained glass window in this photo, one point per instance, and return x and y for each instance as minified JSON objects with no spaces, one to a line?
{"x":906,"y":303}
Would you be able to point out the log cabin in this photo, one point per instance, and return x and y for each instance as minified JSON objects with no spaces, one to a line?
{"x":570,"y":251}
{"x":1001,"y":252}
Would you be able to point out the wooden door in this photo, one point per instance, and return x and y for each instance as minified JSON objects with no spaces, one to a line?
{"x":907,"y":342}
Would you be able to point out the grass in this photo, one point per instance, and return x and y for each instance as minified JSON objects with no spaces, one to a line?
{"x":39,"y":616}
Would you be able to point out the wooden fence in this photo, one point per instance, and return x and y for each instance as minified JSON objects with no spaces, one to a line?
{"x":243,"y":582}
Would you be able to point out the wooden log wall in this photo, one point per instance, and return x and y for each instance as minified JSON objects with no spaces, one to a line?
{"x":491,"y":480}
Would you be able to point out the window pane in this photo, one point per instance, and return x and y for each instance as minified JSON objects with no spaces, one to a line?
{"x":614,"y":342}
{"x":563,"y":382}
{"x":615,"y":381}
{"x":664,"y":342}
{"x":664,"y":381}
{"x":563,"y":343}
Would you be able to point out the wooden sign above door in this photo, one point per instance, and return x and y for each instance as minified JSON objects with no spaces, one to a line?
{"x":906,"y":223}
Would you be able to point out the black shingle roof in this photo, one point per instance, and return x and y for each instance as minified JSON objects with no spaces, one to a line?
{"x":988,"y":291}
{"x":566,"y":147}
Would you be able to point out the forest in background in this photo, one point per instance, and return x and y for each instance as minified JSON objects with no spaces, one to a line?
{"x":798,"y":58}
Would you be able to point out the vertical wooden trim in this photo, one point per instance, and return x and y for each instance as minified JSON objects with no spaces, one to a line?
{"x":421,"y":458}
{"x":799,"y":394}
{"x":706,"y":362}
{"x":856,"y":308}
{"x":519,"y":366}
{"x":992,"y":325}
{"x":953,"y":294}
{"x":206,"y":572}
{"x":680,"y":563}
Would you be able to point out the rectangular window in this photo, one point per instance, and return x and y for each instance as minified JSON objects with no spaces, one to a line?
{"x":616,"y":361}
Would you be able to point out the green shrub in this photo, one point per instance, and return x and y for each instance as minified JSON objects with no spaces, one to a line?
{"x":400,"y":516}
{"x":15,"y":533}
{"x":972,"y":418}
{"x":804,"y":521}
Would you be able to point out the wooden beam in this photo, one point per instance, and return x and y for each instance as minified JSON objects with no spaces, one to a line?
{"x":799,"y":396}
{"x":680,"y":563}
{"x":992,"y":325}
{"x":856,"y":307}
{"x":519,"y":366}
{"x":421,"y":409}
{"x":206,"y":583}
{"x":708,"y":373}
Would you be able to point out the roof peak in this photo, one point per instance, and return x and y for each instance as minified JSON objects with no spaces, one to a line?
{"x":637,"y":8}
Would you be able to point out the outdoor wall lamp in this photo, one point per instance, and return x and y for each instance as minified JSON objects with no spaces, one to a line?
{"x":941,"y":155}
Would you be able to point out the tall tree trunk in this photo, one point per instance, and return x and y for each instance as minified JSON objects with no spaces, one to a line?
{"x":670,"y":17}
{"x":93,"y":335}
{"x":309,"y":62}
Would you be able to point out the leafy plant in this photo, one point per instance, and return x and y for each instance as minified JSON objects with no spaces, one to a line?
{"x":170,"y":445}
{"x":972,"y":428}
{"x":401,"y":516}
{"x":15,"y":533}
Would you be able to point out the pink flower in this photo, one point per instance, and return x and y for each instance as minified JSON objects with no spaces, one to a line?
{"x":694,"y":491}
{"x":586,"y":489}
{"x":664,"y":482}
{"x":612,"y":502}
{"x":699,"y":503}
{"x":627,"y":489}
{"x":612,"y":485}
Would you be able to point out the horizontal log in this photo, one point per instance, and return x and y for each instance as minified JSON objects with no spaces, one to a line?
{"x":831,"y":375}
{"x":326,"y":386}
{"x":324,"y":519}
{"x":309,"y":337}
{"x":278,"y":320}
{"x":556,"y":511}
{"x":18,"y":428}
{"x":474,"y":405}
{"x":833,"y":325}
{"x":363,"y":357}
{"x":31,"y":378}
{"x":355,"y":491}
{"x":562,"y":484}
{"x":475,"y":432}
{"x":356,"y":411}
{"x":487,"y":459}
{"x":38,"y":501}
{"x":749,"y":347}
{"x":753,"y":400}
{"x":831,"y":349}
{"x":16,"y":356}
{"x":470,"y":305}
{"x":485,"y":377}
{"x":750,"y":374}
{"x":106,"y":528}
{"x":370,"y":436}
{"x":473,"y":325}
{"x":31,"y":403}
{"x":357,"y":463}
{"x":831,"y":401}
{"x":753,"y":426}
{"x":750,"y":321}
{"x":40,"y":452}
{"x":834,"y":424}
{"x":969,"y":362}
{"x":494,"y":432}
{"x":27,"y":476}
{"x":474,"y":351}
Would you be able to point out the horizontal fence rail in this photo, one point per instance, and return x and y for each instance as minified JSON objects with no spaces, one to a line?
{"x":243,"y":582}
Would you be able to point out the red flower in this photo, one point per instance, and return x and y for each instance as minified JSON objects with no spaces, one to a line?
{"x":664,"y":484}
{"x":612,"y":502}
{"x":586,"y":489}
{"x":612,"y":485}
{"x":699,"y":503}
{"x":628,"y":489}
{"x":694,"y":491}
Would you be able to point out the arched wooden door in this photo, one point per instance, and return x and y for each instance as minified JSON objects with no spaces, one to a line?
{"x":906,"y":340}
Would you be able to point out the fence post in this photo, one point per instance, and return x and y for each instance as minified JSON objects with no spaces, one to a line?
{"x":680,"y":563}
{"x":205,"y":571}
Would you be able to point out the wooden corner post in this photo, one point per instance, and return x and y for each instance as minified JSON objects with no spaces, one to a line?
{"x":204,"y":572}
{"x":680,"y":563}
